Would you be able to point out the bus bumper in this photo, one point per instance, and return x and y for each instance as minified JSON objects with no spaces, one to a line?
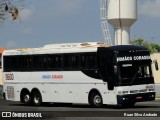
{"x":122,"y":99}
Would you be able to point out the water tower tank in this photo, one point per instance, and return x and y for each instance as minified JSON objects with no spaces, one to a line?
{"x":122,"y":14}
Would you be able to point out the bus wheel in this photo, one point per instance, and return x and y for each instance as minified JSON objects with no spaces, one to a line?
{"x":96,"y":100}
{"x":36,"y":98}
{"x":26,"y":98}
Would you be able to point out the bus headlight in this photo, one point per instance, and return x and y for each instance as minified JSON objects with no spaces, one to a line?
{"x":150,"y":87}
{"x":123,"y":92}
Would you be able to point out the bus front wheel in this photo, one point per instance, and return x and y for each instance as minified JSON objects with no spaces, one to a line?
{"x":96,"y":100}
{"x":36,"y":98}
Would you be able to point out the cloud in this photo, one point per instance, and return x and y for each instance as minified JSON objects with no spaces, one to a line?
{"x":150,"y":8}
{"x":25,"y":14}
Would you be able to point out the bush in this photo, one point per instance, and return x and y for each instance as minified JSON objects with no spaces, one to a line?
{"x":152,"y":47}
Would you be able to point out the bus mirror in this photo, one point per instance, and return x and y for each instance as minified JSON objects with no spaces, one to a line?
{"x":115,"y":70}
{"x":156,"y":65}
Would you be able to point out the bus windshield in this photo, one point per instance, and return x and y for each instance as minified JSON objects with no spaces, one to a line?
{"x":129,"y":70}
{"x":134,"y":72}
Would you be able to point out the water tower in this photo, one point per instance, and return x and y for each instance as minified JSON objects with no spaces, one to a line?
{"x":122,"y":14}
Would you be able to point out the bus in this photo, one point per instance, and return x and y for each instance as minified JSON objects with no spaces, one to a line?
{"x":79,"y":73}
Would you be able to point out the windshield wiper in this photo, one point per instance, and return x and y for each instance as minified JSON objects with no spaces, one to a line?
{"x":135,"y":75}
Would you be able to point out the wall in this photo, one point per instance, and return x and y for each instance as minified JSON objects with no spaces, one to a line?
{"x":156,"y":73}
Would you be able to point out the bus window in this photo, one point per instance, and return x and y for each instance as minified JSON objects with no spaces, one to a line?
{"x":83,"y":61}
{"x":130,"y":70}
{"x":74,"y":61}
{"x":88,"y":60}
{"x":57,"y":61}
{"x":143,"y":71}
{"x":92,"y":61}
{"x":127,"y":71}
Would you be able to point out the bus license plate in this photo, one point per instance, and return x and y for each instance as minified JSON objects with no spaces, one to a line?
{"x":139,"y":97}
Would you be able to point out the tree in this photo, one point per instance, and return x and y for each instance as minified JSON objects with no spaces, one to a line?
{"x":10,"y":9}
{"x":152,"y":47}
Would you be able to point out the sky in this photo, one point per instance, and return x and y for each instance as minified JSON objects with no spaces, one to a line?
{"x":69,"y":21}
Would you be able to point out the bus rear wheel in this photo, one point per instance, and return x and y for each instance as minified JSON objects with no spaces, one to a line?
{"x":96,"y":100}
{"x":36,"y":98}
{"x":26,"y":98}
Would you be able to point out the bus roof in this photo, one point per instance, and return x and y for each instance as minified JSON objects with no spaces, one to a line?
{"x":121,"y":48}
{"x":58,"y":48}
{"x":128,"y":48}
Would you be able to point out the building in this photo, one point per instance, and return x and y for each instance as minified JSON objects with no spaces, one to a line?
{"x":156,"y":73}
{"x":156,"y":56}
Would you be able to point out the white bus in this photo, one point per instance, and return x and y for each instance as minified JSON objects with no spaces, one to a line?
{"x":86,"y":73}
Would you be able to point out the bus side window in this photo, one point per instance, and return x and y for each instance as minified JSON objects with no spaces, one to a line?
{"x":28,"y":63}
{"x":71,"y":61}
{"x":7,"y":63}
{"x":50,"y":61}
{"x":36,"y":62}
{"x":57,"y":61}
{"x":67,"y":61}
{"x":22,"y":63}
{"x":92,"y":61}
{"x":83,"y":61}
{"x":88,"y":61}
{"x":75,"y":61}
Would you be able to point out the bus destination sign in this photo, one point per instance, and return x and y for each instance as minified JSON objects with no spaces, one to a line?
{"x":135,"y":58}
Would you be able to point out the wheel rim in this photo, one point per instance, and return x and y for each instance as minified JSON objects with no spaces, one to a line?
{"x":97,"y":100}
{"x":26,"y":98}
{"x":37,"y":99}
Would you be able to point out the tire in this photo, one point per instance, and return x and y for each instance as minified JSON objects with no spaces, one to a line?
{"x":96,"y":100}
{"x":36,"y":98}
{"x":26,"y":98}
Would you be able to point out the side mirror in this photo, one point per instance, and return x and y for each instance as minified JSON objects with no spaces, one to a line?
{"x":115,"y":70}
{"x":156,"y":64}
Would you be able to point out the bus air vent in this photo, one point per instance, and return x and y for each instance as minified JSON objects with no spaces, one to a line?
{"x":10,"y":92}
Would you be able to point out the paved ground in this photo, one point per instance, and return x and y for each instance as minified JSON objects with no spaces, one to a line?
{"x":83,"y":112}
{"x":157,"y":88}
{"x":1,"y":90}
